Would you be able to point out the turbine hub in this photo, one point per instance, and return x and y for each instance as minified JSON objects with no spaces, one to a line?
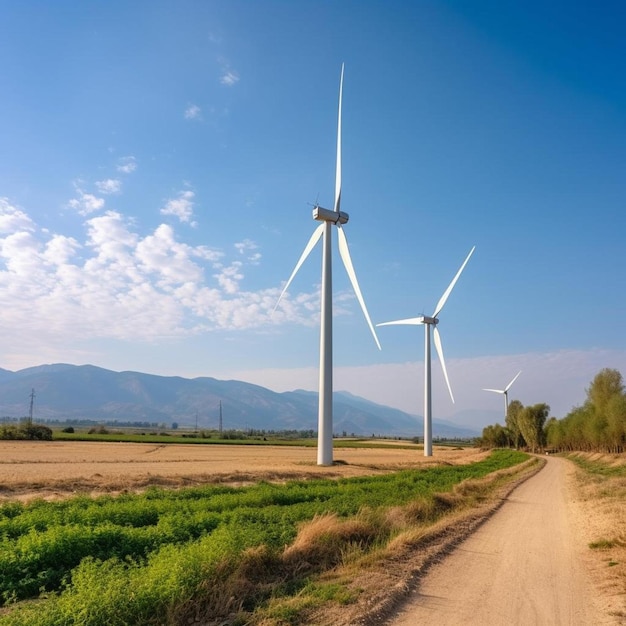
{"x":429,"y":320}
{"x":324,"y":215}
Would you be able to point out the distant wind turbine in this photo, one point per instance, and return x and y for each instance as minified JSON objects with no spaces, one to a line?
{"x":428,"y":322}
{"x":327,"y":219}
{"x":505,"y":391}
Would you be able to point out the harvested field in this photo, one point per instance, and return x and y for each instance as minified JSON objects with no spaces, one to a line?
{"x":56,"y":469}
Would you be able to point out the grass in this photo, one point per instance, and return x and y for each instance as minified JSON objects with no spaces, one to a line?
{"x":602,"y":487}
{"x":215,"y":439}
{"x":168,"y":557}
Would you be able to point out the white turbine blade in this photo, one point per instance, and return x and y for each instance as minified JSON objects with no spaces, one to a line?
{"x":315,"y":237}
{"x":495,"y":390}
{"x":439,"y":349}
{"x":347,"y":261}
{"x":338,"y":171}
{"x":413,"y":321}
{"x":509,"y":385}
{"x":447,"y":292}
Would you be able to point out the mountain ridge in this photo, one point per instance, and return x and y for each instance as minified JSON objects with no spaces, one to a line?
{"x":64,"y":391}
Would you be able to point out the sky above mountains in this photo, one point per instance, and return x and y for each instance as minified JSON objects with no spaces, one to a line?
{"x":159,"y":162}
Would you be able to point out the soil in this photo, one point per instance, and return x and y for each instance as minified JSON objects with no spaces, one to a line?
{"x":58,"y":469}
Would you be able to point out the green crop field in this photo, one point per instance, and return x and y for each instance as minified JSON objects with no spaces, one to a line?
{"x":159,"y":556}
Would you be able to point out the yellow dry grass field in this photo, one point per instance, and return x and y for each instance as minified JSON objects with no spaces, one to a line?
{"x":57,"y":469}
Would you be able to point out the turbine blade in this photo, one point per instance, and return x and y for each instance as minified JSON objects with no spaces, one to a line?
{"x":495,"y":390}
{"x":338,"y":171}
{"x":347,"y":261}
{"x":413,"y":321}
{"x":447,"y":292}
{"x":509,"y":385}
{"x":315,"y":237}
{"x":439,"y":349}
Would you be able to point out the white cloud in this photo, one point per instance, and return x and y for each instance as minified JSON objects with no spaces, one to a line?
{"x":193,"y":112}
{"x":127,"y":164}
{"x":86,"y":203}
{"x":13,"y":219}
{"x":115,"y":283}
{"x":250,"y":249}
{"x":109,"y":186}
{"x":229,"y":78}
{"x":181,"y":207}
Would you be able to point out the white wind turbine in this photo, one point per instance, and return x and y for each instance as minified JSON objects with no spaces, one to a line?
{"x":428,"y":322}
{"x":505,"y":392}
{"x":327,"y":219}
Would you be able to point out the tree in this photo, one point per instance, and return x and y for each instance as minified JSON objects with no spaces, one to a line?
{"x":606,"y":384}
{"x":512,"y":423}
{"x":495,"y":436}
{"x":531,"y":422}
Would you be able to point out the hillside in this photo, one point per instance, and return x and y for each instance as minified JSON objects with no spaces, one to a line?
{"x":88,"y":392}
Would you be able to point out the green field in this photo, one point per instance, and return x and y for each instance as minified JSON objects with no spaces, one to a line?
{"x":162,"y":557}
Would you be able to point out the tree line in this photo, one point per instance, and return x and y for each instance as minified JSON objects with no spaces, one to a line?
{"x":599,"y":425}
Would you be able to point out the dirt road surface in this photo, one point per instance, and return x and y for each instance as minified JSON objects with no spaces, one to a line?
{"x":523,"y":566}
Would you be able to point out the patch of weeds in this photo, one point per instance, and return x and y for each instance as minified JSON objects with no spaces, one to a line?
{"x":330,"y":592}
{"x":602,"y":544}
{"x":613,"y":563}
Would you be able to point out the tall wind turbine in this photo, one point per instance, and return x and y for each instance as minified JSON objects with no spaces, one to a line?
{"x":428,"y":322}
{"x":324,"y":231}
{"x":505,"y":392}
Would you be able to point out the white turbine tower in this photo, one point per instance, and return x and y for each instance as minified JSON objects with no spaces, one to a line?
{"x":428,"y":322}
{"x":505,"y":392}
{"x":327,"y":219}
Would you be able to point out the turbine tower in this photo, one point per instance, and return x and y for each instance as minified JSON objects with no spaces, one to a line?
{"x":428,"y":322}
{"x":505,"y":392}
{"x":329,"y":218}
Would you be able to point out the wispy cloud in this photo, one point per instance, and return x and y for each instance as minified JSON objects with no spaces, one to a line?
{"x":229,"y":77}
{"x":193,"y":112}
{"x":86,"y":203}
{"x":248,"y":248}
{"x":109,"y":186}
{"x":127,"y":164}
{"x":181,"y":207}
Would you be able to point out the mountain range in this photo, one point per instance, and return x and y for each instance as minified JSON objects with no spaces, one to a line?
{"x":74,"y":392}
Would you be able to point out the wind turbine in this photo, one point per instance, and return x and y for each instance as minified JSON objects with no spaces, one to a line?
{"x":324,"y":231}
{"x":505,"y":391}
{"x":428,"y":322}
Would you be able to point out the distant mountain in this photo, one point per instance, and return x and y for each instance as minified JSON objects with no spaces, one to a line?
{"x":87,"y":392}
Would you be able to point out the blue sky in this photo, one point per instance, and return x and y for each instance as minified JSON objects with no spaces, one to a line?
{"x":159,"y":161}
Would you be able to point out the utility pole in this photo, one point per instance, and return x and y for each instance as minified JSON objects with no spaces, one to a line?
{"x":30,"y":413}
{"x":220,"y":416}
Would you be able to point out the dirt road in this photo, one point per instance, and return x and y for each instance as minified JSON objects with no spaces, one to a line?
{"x":522,"y":566}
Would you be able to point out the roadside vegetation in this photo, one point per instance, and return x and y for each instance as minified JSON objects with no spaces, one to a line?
{"x":599,"y":425}
{"x":601,"y":488}
{"x":250,"y":555}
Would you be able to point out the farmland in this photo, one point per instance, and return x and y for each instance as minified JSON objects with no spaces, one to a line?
{"x":60,"y":468}
{"x":233,"y":544}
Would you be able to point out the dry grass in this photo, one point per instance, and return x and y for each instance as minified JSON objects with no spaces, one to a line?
{"x":373,"y":583}
{"x":601,"y":499}
{"x":58,"y":469}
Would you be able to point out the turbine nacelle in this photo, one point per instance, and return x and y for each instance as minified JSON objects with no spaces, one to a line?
{"x":325,"y":215}
{"x":429,"y":320}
